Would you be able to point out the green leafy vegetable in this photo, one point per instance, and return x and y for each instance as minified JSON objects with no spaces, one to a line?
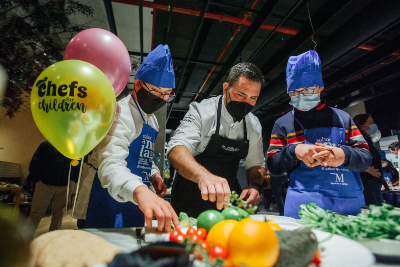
{"x":185,"y":221}
{"x":381,"y":222}
{"x":240,"y":205}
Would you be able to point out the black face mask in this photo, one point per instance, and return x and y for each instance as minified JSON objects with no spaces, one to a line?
{"x":148,"y":104}
{"x":238,"y":110}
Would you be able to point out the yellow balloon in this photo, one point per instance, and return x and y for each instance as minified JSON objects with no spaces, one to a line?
{"x":73,"y":105}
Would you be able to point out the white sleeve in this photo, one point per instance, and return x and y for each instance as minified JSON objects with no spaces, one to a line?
{"x":112,"y":152}
{"x":154,"y":169}
{"x":188,"y":133}
{"x":255,"y":157}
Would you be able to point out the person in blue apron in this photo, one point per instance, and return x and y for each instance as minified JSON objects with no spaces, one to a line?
{"x":319,"y":147}
{"x":120,"y":193}
{"x":210,"y":142}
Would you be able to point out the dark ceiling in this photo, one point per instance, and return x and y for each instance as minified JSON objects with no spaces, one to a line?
{"x":358,"y":42}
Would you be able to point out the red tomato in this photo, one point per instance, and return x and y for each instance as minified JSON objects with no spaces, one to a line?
{"x":201,"y":233}
{"x":205,"y":246}
{"x":218,"y":252}
{"x":199,"y":257}
{"x":192,"y":233}
{"x":317,"y":258}
{"x":176,"y":236}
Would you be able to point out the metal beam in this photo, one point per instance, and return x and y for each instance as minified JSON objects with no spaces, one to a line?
{"x":198,"y":48}
{"x":272,"y":33}
{"x":141,"y":29}
{"x":371,"y":79}
{"x":251,"y":31}
{"x":369,"y":93}
{"x":364,"y":61}
{"x":329,"y":11}
{"x":203,"y":62}
{"x":349,"y":35}
{"x":199,"y":24}
{"x":215,"y":16}
{"x":110,"y":16}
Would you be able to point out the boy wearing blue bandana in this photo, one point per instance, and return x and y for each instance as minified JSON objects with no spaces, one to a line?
{"x":123,"y":166}
{"x":319,"y":147}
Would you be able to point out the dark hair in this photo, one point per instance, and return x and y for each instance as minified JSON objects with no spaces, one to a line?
{"x":360,"y":120}
{"x":247,"y":70}
{"x":393,"y":146}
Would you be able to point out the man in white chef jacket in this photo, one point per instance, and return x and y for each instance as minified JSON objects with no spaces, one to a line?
{"x":213,"y":137}
{"x":117,"y":195}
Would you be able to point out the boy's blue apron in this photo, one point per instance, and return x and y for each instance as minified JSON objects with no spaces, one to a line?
{"x":331,"y":188}
{"x":104,"y":211}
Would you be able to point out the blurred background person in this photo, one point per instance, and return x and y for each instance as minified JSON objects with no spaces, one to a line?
{"x":371,"y":178}
{"x":278,"y":183}
{"x":394,"y":149}
{"x":389,"y":171}
{"x":49,"y":170}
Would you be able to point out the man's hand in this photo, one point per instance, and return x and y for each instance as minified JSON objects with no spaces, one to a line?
{"x":333,"y":157}
{"x":158,"y":184}
{"x":151,"y":205}
{"x":309,"y":154}
{"x":252,"y":192}
{"x":215,"y":188}
{"x":374,"y":172}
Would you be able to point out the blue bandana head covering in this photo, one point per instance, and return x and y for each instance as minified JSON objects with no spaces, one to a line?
{"x":304,"y":71}
{"x":157,"y":68}
{"x":383,"y":154}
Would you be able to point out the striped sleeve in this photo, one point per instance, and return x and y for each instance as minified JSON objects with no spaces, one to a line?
{"x":281,"y":155}
{"x":355,"y":139}
{"x":357,"y":155}
{"x":276,"y":144}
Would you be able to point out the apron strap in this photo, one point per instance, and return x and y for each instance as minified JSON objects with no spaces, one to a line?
{"x":219,"y":115}
{"x":301,"y":125}
{"x":219,"y":120}
{"x":138,"y":108}
{"x":341,"y":121}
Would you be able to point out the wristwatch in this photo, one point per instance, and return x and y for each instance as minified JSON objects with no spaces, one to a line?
{"x":258,"y":186}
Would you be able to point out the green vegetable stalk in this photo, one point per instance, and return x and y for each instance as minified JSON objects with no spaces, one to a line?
{"x":382,"y":222}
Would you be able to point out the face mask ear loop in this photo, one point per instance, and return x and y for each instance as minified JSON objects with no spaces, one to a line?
{"x":226,"y":100}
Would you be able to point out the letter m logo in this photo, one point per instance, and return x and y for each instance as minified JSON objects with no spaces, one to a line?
{"x":339,"y":177}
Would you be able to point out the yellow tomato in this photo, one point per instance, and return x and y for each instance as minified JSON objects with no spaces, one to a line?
{"x":219,"y":233}
{"x":275,"y":226}
{"x":253,"y":243}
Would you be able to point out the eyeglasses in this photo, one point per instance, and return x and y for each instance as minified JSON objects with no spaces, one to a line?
{"x":154,"y":94}
{"x":309,"y":90}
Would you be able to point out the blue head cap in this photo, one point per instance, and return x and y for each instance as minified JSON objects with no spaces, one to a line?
{"x":383,"y":154}
{"x":157,"y":68}
{"x":304,"y":71}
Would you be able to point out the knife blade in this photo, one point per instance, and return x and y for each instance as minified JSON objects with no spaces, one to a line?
{"x":139,"y":236}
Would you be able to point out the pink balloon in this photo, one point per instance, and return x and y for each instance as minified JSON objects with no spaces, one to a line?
{"x":104,"y":50}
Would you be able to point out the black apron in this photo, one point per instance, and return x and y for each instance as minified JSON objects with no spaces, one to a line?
{"x":221,"y":157}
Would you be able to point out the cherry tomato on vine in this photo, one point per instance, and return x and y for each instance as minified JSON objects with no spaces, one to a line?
{"x":218,"y":252}
{"x":176,"y":236}
{"x":201,"y":233}
{"x":205,"y":246}
{"x":192,"y":233}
